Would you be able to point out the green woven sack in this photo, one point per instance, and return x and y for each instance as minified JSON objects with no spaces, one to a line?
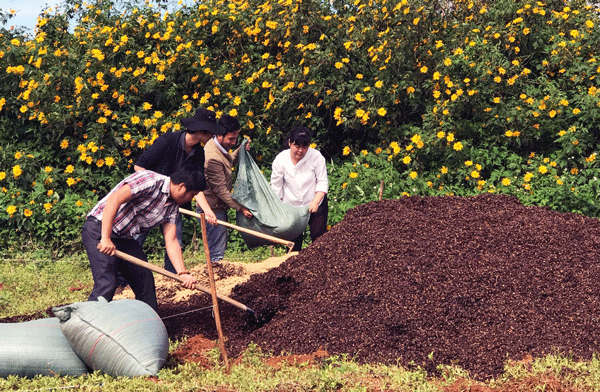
{"x":35,"y":348}
{"x":125,"y":337}
{"x":271,"y":215}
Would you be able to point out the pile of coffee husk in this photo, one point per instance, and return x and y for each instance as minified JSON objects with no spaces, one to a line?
{"x":423,"y":281}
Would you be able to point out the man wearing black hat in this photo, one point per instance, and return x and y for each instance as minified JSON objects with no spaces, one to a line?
{"x":174,"y":150}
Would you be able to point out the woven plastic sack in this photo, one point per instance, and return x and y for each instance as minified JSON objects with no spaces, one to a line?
{"x":120,"y":338}
{"x":271,"y":215}
{"x":37,"y":347}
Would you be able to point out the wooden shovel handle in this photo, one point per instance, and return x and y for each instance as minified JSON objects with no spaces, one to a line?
{"x":289,"y":244}
{"x":162,"y":271}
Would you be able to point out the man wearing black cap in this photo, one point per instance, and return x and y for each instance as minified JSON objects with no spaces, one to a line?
{"x":174,"y":150}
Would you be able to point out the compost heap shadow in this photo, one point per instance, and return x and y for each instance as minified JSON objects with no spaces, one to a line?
{"x":422,"y":281}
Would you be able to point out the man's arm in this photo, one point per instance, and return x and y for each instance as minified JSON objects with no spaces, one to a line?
{"x":176,"y":255}
{"x":113,"y":203}
{"x":216,"y":178}
{"x":209,"y":215}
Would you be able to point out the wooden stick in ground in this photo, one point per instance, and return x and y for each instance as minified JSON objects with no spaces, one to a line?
{"x":213,"y":290}
{"x":289,"y":244}
{"x":162,"y":271}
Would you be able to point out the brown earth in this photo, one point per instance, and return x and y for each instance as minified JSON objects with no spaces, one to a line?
{"x":419,"y":281}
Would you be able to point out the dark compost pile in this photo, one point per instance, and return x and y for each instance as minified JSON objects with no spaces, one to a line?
{"x":472,"y":280}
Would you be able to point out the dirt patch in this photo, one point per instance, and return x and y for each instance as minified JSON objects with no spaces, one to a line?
{"x":227,"y":275}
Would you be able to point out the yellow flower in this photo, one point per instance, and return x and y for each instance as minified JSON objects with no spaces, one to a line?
{"x":576,"y":111}
{"x":382,"y":112}
{"x":543,"y":169}
{"x":78,"y":203}
{"x":424,"y":69}
{"x":18,"y":155}
{"x":69,"y":169}
{"x":457,"y":146}
{"x":344,"y":185}
{"x":353,"y":175}
{"x":27,"y":212}
{"x":338,"y":65}
{"x":17,"y":171}
{"x":11,"y":209}
{"x":413,"y":174}
{"x":135,"y":120}
{"x":346,"y":151}
{"x":506,"y":181}
{"x":475,"y":174}
{"x":48,"y":169}
{"x":110,"y":161}
{"x":2,"y":175}
{"x":147,"y":106}
{"x":48,"y":207}
{"x":444,"y":170}
{"x":158,"y":114}
{"x":64,"y":144}
{"x":406,"y":160}
{"x":70,"y":181}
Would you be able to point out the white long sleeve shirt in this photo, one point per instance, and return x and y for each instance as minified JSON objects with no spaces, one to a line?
{"x":298,"y":184}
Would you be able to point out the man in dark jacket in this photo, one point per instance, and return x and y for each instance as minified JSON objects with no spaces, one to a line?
{"x":174,"y":150}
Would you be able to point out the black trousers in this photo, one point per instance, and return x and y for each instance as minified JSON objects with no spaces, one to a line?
{"x":317,"y":224}
{"x":105,"y":268}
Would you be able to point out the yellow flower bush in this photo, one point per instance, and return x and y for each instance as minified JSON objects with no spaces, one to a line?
{"x":423,"y":90}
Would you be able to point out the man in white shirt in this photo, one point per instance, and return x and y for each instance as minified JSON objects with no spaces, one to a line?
{"x":299,"y":178}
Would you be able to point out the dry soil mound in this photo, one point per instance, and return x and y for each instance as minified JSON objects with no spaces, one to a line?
{"x":466,"y":281}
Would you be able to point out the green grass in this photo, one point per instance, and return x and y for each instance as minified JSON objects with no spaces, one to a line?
{"x":30,"y":283}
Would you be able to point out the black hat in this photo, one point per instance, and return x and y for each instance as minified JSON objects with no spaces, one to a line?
{"x":203,"y":120}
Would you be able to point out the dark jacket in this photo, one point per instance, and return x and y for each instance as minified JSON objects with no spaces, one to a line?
{"x":161,"y":156}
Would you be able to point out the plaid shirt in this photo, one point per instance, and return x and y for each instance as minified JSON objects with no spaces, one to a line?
{"x":149,"y":205}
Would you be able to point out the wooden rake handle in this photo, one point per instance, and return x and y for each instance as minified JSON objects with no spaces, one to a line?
{"x":289,"y":244}
{"x":162,"y":271}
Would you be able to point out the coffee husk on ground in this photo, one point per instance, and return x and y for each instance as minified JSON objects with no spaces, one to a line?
{"x":427,"y":280}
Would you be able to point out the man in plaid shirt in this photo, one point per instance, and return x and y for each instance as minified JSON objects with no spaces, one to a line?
{"x":141,"y":201}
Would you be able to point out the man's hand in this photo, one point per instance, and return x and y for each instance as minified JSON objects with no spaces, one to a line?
{"x":210,"y":217}
{"x":246,"y":212}
{"x":189,"y":282}
{"x":106,"y":246}
{"x":313,"y":207}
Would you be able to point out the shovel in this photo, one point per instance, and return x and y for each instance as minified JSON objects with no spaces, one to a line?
{"x":162,"y":271}
{"x":289,"y":244}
